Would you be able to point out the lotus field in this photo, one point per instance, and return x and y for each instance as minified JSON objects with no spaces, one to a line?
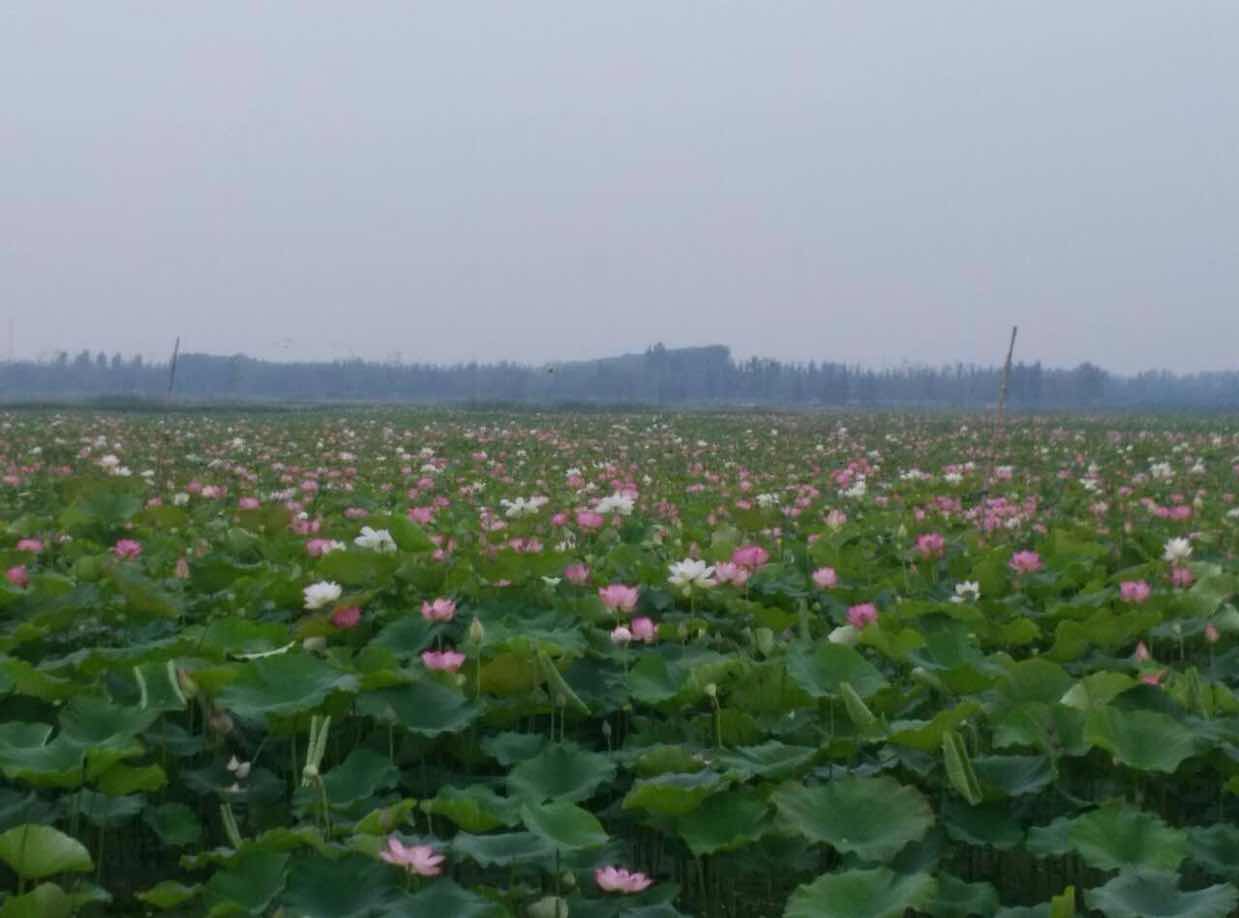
{"x":386,"y":663}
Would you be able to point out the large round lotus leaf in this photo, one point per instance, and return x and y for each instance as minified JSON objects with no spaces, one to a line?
{"x":351,"y":887}
{"x":168,"y":894}
{"x":957,"y":899}
{"x":25,"y":755}
{"x":1013,"y":775}
{"x":426,"y":708}
{"x":47,"y":900}
{"x":288,"y":684}
{"x":95,"y":722}
{"x":503,"y":849}
{"x":1216,"y":848}
{"x":250,"y":880}
{"x":362,"y":775}
{"x":1119,"y":837}
{"x":1034,"y":680}
{"x":1144,"y":740}
{"x":673,"y":794}
{"x":175,"y":824}
{"x":927,"y":735}
{"x":564,"y":825}
{"x":1155,"y":894}
{"x":444,"y":897}
{"x":773,"y":760}
{"x":1033,"y":725}
{"x":822,"y":669}
{"x":563,"y":771}
{"x":990,"y":824}
{"x":509,"y":748}
{"x":653,"y":679}
{"x":103,"y":810}
{"x":35,"y":852}
{"x":870,"y":817}
{"x":475,"y":808}
{"x":876,"y":893}
{"x":407,"y":636}
{"x":725,"y":822}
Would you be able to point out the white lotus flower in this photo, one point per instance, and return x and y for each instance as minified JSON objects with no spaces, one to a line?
{"x":688,"y":574}
{"x":1177,"y":551}
{"x":379,"y":540}
{"x":967,"y":591}
{"x":616,"y":503}
{"x":844,"y":634}
{"x":322,"y":593}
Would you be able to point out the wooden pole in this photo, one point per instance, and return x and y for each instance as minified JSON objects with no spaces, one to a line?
{"x":1006,"y":377}
{"x":176,"y":350}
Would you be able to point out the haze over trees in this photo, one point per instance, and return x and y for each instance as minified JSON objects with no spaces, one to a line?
{"x":661,"y":376}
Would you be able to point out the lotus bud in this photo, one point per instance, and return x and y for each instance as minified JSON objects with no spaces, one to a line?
{"x":711,"y":690}
{"x":606,"y":729}
{"x":189,"y":688}
{"x":314,"y":643}
{"x":476,"y":632}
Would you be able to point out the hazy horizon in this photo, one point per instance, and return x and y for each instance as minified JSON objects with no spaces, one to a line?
{"x":560,"y":181}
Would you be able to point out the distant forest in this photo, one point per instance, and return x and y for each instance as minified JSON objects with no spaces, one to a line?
{"x":661,"y":376}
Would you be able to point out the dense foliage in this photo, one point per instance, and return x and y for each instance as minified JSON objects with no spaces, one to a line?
{"x":660,"y":377}
{"x":392,"y":663}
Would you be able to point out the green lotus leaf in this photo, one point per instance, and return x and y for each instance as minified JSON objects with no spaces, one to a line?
{"x":444,"y":897}
{"x":871,"y":817}
{"x":175,"y":823}
{"x":673,"y":794}
{"x":234,"y":636}
{"x":1053,"y":729}
{"x":407,"y":636}
{"x":564,"y":825}
{"x":504,"y":849}
{"x":653,"y":679}
{"x":509,"y":748}
{"x":1036,"y":680}
{"x":362,"y":775}
{"x":284,"y":685}
{"x":103,"y":810}
{"x":34,"y":852}
{"x":169,"y":894}
{"x":1014,"y":775}
{"x":1121,"y":837}
{"x":426,"y":708}
{"x":475,"y":808}
{"x":958,"y":899}
{"x":1144,"y":740}
{"x":96,"y":722}
{"x":772,"y":760}
{"x":250,"y":881}
{"x":128,"y":779}
{"x":927,"y":735}
{"x":563,"y":771}
{"x":348,"y":887}
{"x":724,"y":822}
{"x":1156,"y":894}
{"x":47,"y":900}
{"x":1216,"y":848}
{"x":821,"y":669}
{"x":875,"y":893}
{"x":989,"y":824}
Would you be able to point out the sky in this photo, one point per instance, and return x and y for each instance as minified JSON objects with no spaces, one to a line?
{"x":556,"y":179}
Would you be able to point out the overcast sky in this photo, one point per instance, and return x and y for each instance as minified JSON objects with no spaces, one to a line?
{"x":860,"y":181}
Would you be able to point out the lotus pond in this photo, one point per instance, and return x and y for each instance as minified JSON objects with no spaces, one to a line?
{"x":386,"y":663}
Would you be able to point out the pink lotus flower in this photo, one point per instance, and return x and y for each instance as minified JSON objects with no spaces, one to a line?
{"x":447,"y":661}
{"x":249,"y":503}
{"x":643,"y":629}
{"x":127,"y":549}
{"x":18,"y":576}
{"x":316,"y":548}
{"x":621,"y":636}
{"x":441,"y":610}
{"x":1181,"y":576}
{"x":619,"y":598}
{"x":1211,"y":633}
{"x":825,"y":578}
{"x":182,"y":569}
{"x":346,"y":617}
{"x":34,"y":546}
{"x":750,"y":557}
{"x":862,"y":615}
{"x":617,"y":879}
{"x":931,"y":545}
{"x":1153,"y":678}
{"x":1135,"y":591}
{"x":421,"y":515}
{"x":1142,"y":654}
{"x":1025,"y":562}
{"x":356,"y":513}
{"x":577,"y":573}
{"x":419,"y":859}
{"x":730,"y":572}
{"x":588,"y":519}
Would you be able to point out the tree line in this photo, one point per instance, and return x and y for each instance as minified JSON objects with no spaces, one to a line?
{"x":661,"y":376}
